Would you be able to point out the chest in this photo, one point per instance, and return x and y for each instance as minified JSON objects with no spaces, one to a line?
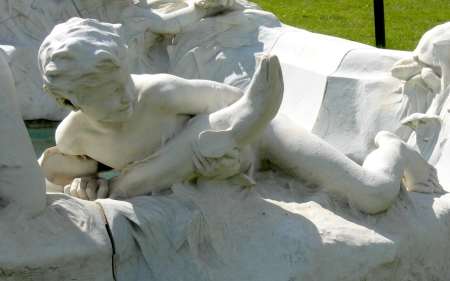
{"x":117,"y":148}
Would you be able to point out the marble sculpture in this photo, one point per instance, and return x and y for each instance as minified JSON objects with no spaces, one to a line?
{"x":216,"y":175}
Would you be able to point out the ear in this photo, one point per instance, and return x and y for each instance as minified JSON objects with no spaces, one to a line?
{"x":106,"y":61}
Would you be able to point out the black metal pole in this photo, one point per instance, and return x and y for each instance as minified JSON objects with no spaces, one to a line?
{"x":380,"y":35}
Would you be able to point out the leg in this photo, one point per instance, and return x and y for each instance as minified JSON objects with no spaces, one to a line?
{"x":372,"y":187}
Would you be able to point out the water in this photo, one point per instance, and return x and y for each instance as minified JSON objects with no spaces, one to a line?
{"x":42,"y":138}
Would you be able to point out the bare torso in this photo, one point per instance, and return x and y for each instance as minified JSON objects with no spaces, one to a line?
{"x":118,"y":145}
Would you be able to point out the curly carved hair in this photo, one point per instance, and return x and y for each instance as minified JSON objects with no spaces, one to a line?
{"x":80,"y":51}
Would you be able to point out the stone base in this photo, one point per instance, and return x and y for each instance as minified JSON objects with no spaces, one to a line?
{"x":279,"y":230}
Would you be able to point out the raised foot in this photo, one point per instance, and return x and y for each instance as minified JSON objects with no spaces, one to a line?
{"x":244,"y":121}
{"x":268,"y":77}
{"x":419,"y":175}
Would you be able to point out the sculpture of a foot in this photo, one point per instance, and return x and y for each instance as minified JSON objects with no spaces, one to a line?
{"x":427,"y":128}
{"x":420,"y":176}
{"x":244,"y":121}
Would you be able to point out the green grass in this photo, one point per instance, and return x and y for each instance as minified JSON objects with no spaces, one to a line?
{"x":406,"y":20}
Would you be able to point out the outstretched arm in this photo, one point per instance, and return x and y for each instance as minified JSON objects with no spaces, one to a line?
{"x":173,"y":22}
{"x":72,"y":174}
{"x":183,"y":96}
{"x":61,"y":169}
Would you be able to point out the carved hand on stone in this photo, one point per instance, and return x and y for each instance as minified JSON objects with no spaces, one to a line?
{"x":209,"y":4}
{"x":88,"y":188}
{"x":223,"y":167}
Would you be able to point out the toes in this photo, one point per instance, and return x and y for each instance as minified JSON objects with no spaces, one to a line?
{"x":437,"y":187}
{"x":263,"y":65}
{"x":423,"y":188}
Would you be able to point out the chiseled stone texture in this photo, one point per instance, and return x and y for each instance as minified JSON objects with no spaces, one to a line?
{"x":277,"y":231}
{"x":68,"y":241}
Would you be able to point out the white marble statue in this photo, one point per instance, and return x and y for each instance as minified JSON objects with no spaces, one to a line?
{"x":137,"y":125}
{"x":212,"y":229}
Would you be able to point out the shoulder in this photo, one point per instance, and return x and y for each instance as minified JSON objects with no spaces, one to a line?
{"x":158,"y":90}
{"x":68,"y":132}
{"x":154,"y":83}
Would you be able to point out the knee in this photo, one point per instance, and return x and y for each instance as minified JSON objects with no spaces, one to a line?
{"x":375,"y":207}
{"x":379,"y":198}
{"x":386,"y":138}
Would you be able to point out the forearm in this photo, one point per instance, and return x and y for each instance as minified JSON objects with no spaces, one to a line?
{"x":171,"y":23}
{"x":61,"y":169}
{"x":147,"y":176}
{"x":182,"y":96}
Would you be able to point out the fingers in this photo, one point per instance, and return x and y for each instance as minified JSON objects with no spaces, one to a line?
{"x":216,"y":168}
{"x":198,"y":166}
{"x":74,"y":188}
{"x":203,"y":165}
{"x":87,"y":188}
{"x":80,"y":190}
{"x":91,"y":190}
{"x":103,"y":189}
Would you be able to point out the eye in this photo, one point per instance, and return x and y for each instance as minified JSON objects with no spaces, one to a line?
{"x":67,"y":102}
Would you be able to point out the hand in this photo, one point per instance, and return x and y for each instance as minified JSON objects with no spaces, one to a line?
{"x":420,"y":120}
{"x":212,"y":4}
{"x":217,"y":168}
{"x":88,"y":188}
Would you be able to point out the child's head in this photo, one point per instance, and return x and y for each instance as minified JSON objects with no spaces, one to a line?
{"x":83,"y":65}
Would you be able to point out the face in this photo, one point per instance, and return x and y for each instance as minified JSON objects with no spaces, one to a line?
{"x":112,"y":99}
